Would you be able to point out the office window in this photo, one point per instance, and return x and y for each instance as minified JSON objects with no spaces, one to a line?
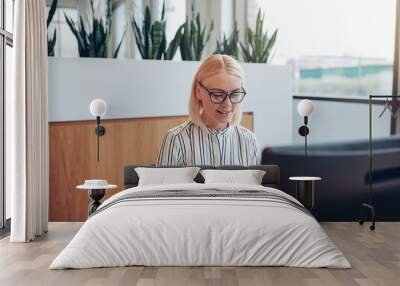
{"x":175,"y":12}
{"x":2,"y":127}
{"x":6,"y":42}
{"x":8,"y":72}
{"x":341,"y":47}
{"x":9,"y":12}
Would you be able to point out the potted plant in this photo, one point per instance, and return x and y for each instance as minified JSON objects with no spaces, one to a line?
{"x":194,"y":38}
{"x":151,"y":37}
{"x":258,"y":46}
{"x":229,"y":45}
{"x":96,"y":42}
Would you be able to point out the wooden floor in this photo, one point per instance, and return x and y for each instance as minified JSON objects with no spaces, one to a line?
{"x":375,"y":257}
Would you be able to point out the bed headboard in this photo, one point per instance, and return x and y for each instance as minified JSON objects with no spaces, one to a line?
{"x":270,"y":179}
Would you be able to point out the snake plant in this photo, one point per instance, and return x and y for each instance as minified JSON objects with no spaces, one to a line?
{"x":51,"y":42}
{"x":95,"y":43}
{"x":174,"y":45}
{"x":194,"y":38}
{"x":229,"y":45}
{"x":151,"y":37}
{"x":258,"y":45}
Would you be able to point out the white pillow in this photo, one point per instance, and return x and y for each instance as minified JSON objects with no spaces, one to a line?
{"x":163,"y":176}
{"x":248,"y":177}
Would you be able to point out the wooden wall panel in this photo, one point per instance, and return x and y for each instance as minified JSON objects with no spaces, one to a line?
{"x":73,"y":157}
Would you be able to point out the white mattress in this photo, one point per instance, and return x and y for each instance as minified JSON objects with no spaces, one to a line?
{"x":200,"y":231}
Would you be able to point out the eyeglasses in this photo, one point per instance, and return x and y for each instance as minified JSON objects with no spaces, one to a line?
{"x":219,"y":96}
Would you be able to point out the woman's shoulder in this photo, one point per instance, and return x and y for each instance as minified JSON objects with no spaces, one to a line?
{"x":180,"y":128}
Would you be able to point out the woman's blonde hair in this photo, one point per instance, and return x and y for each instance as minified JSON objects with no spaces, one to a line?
{"x":213,"y":65}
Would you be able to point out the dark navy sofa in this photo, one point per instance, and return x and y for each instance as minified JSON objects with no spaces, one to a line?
{"x":343,"y":168}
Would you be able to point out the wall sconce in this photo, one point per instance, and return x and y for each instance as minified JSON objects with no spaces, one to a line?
{"x":305,"y":108}
{"x":98,"y":108}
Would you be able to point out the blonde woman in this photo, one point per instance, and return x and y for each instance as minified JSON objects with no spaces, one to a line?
{"x":213,"y":135}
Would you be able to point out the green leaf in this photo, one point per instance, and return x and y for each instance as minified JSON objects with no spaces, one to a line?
{"x":52,"y":11}
{"x":258,"y":23}
{"x":76,"y":33}
{"x":138,"y":38}
{"x":163,"y":12}
{"x":209,"y":31}
{"x":246,"y":53}
{"x":186,"y":42}
{"x":146,"y":32}
{"x":115,"y":55}
{"x":269,"y":46}
{"x":229,"y":45}
{"x":51,"y":44}
{"x":157,"y":37}
{"x":173,"y":46}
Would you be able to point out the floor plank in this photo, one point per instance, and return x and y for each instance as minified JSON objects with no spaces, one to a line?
{"x":375,"y":257}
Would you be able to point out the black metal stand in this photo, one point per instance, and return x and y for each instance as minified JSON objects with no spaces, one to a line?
{"x":372,"y":210}
{"x":370,"y":206}
{"x":305,"y":193}
{"x":96,"y":195}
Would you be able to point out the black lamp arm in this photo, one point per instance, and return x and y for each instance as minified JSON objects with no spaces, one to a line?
{"x":100,"y":131}
{"x":303,"y":131}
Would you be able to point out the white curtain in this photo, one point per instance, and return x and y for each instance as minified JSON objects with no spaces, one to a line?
{"x":27,"y":123}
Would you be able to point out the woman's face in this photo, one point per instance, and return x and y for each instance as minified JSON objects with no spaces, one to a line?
{"x":217,"y":115}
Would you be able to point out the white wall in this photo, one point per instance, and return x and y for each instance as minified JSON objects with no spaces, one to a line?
{"x":160,"y":88}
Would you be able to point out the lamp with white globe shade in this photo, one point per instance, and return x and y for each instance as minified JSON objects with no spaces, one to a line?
{"x":305,"y":108}
{"x":98,"y":108}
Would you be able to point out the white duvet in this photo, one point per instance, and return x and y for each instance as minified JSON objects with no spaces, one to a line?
{"x":200,"y":231}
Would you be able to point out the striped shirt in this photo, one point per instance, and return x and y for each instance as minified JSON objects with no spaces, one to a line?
{"x":189,"y":144}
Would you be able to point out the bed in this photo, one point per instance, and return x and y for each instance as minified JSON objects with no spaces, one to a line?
{"x":199,"y":224}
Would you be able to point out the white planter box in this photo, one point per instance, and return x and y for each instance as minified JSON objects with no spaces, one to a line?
{"x":145,"y":88}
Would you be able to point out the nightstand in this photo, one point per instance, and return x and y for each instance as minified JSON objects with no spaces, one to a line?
{"x":305,"y":187}
{"x":96,"y":190}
